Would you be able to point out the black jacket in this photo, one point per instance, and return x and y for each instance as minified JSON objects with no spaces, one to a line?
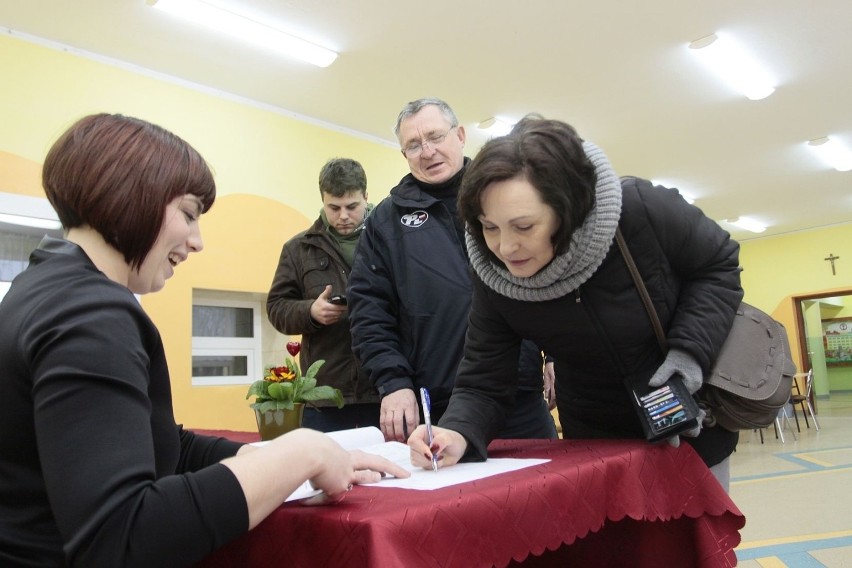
{"x":600,"y":335}
{"x":309,"y":262}
{"x":409,"y":295}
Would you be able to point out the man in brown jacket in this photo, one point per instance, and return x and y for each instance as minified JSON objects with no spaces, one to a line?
{"x":308,"y":298}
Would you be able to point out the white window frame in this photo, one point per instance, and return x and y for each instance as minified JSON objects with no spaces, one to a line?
{"x":249,"y":347}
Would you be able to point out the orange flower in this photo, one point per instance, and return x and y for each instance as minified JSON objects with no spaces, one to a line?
{"x":280,"y":375}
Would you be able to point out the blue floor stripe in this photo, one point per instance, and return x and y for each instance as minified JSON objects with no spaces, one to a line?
{"x":800,"y":560}
{"x":794,"y":549}
{"x":808,"y":468}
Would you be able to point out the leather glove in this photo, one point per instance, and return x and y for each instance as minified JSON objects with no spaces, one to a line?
{"x":683,"y":364}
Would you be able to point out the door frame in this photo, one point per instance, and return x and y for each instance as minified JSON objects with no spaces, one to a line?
{"x":800,"y":324}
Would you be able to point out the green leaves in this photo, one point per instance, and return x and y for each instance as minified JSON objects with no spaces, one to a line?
{"x":314,"y":369}
{"x":281,"y":391}
{"x":270,"y":395}
{"x":324,"y":393}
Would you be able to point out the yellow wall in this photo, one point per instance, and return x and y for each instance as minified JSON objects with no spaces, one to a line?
{"x":19,"y":175}
{"x":778,"y":269}
{"x":251,"y":150}
{"x":238,"y":227}
{"x":266,"y":166}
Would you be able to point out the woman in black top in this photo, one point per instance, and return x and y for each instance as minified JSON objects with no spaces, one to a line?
{"x":93,"y":469}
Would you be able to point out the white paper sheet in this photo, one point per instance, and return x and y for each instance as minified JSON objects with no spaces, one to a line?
{"x":371,"y":440}
{"x":445,"y":476}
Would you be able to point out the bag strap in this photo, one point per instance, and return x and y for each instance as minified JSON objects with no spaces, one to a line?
{"x":643,"y":291}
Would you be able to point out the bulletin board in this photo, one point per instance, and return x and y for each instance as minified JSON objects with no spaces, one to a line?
{"x":837,"y":342}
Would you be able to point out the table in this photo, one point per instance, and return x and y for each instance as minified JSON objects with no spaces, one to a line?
{"x":596,"y":503}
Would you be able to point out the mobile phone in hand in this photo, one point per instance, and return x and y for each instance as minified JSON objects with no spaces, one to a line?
{"x":338,"y":299}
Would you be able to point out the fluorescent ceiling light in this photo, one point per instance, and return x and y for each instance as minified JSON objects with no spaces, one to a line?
{"x":832,"y":153}
{"x":495,"y":126}
{"x":27,"y":221}
{"x":733,"y":65}
{"x":746,"y":223}
{"x":247,"y":30}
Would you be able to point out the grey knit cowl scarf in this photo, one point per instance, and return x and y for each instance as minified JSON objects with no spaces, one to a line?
{"x":586,"y":251}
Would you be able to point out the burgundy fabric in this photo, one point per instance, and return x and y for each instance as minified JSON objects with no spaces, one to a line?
{"x":244,"y":437}
{"x":616,"y":503}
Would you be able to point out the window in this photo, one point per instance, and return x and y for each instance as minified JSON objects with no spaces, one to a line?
{"x":226,"y":338}
{"x":232,"y":339}
{"x":16,"y":244}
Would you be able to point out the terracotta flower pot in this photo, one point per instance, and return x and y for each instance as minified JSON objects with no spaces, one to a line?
{"x":273,"y":423}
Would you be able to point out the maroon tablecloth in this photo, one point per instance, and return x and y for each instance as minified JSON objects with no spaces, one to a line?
{"x":596,"y":503}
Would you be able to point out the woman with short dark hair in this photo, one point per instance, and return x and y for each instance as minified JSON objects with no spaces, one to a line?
{"x":93,"y":469}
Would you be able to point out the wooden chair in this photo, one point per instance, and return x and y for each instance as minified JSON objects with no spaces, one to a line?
{"x":803,"y":400}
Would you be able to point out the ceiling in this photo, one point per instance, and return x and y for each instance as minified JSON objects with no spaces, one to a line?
{"x":617,"y":70}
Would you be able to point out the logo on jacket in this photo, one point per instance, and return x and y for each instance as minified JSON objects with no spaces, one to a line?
{"x":414,"y":219}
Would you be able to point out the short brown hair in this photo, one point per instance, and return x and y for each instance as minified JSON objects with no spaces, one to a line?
{"x":549,"y":155}
{"x":116,"y":174}
{"x":340,"y":176}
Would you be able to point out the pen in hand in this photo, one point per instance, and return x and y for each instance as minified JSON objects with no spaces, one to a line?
{"x":427,"y":417}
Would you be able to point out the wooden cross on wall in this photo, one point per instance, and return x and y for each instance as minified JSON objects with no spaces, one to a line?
{"x":831,"y":258}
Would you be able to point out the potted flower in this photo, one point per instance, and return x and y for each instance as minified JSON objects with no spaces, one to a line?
{"x":281,"y":395}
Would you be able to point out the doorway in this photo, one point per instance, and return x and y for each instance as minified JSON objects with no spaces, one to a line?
{"x":811,"y":312}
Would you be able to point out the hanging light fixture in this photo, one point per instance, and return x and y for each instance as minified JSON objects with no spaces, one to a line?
{"x":734,"y":65}
{"x":246,"y":29}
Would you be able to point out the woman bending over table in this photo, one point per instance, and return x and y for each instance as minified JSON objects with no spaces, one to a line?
{"x":541,"y":208}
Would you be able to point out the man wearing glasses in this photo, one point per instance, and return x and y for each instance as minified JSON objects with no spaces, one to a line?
{"x":410,"y":288}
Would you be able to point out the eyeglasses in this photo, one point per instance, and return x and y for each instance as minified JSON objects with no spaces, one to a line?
{"x":434,"y":140}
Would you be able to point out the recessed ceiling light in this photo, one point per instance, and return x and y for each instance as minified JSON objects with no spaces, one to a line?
{"x":832,"y":153}
{"x":246,"y":29}
{"x":734,"y":65}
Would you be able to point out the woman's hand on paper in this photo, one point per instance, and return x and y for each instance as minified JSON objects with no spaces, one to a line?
{"x":371,"y":468}
{"x":448,"y":445}
{"x":362,"y":468}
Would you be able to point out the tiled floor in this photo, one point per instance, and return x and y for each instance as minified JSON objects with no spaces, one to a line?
{"x":797,"y":495}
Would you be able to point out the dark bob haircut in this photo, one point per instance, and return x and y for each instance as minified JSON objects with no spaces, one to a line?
{"x":116,"y":174}
{"x":549,"y":155}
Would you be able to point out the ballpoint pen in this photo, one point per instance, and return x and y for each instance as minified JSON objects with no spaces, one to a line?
{"x":427,"y":416}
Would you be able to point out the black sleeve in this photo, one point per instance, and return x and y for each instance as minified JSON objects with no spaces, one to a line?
{"x":102,"y":442}
{"x":706,"y":262}
{"x":484,"y":393}
{"x":373,"y":313}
